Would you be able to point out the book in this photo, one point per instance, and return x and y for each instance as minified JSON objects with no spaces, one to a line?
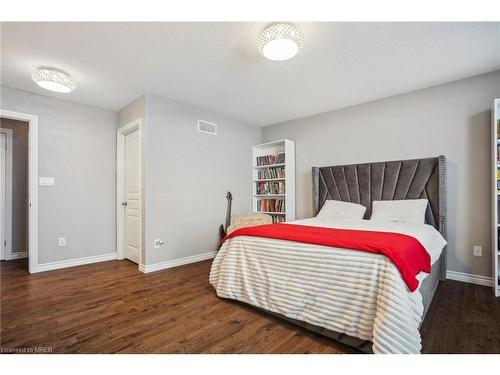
{"x":278,"y":219}
{"x":276,"y":172}
{"x":271,"y":159}
{"x":263,"y":188}
{"x":271,"y":205}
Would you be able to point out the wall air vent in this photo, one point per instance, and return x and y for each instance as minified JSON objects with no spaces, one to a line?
{"x":207,"y":127}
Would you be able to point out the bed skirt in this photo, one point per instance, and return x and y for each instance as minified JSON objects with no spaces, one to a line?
{"x":427,"y":289}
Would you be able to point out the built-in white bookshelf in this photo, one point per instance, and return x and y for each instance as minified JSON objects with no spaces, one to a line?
{"x":273,"y":179}
{"x":496,"y":196}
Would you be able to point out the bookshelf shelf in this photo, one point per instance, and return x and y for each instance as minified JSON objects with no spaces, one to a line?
{"x":269,"y":195}
{"x":496,"y":195}
{"x":269,"y":179}
{"x":269,"y":166}
{"x":270,"y":213}
{"x":273,"y":179}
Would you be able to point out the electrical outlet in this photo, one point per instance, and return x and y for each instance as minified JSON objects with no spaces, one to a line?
{"x":158,"y":243}
{"x":61,"y":241}
{"x":477,"y":251}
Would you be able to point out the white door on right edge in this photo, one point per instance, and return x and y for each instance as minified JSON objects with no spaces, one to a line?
{"x":132,"y":203}
{"x":3,"y":151}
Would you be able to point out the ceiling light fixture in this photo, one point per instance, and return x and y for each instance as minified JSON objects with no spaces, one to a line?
{"x":280,"y":42}
{"x":53,"y":80}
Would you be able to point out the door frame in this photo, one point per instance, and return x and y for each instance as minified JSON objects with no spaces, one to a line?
{"x":7,"y":195}
{"x":32,"y":121}
{"x":120,"y":186}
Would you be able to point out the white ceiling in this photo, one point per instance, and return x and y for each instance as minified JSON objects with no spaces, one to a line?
{"x":216,"y":66}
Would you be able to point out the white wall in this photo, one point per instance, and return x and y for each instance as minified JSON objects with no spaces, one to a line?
{"x":77,"y":146}
{"x":188,"y":175}
{"x":452,"y":119}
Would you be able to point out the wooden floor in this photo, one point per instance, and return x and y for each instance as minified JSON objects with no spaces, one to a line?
{"x":111,"y":307}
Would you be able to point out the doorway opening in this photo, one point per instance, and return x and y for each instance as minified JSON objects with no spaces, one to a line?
{"x":18,"y":188}
{"x":14,"y":189}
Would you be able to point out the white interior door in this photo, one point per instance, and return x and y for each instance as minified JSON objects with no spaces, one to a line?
{"x":132,"y":203}
{"x":3,"y":158}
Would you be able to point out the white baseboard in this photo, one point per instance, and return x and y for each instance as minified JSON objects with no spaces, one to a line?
{"x":469,"y":278}
{"x":16,"y":255}
{"x":176,"y":262}
{"x":75,"y":262}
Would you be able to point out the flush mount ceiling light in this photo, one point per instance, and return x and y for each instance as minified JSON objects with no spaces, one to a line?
{"x":53,"y":80}
{"x":280,"y":42}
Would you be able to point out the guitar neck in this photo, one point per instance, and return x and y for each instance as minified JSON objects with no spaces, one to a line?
{"x":228,"y":213}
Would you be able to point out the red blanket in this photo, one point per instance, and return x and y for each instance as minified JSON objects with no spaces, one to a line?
{"x":405,"y":252}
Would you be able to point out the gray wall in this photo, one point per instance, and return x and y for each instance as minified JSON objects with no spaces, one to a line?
{"x":188,"y":175}
{"x":77,"y":146}
{"x":452,"y":119}
{"x":19,"y":183}
{"x":133,"y":111}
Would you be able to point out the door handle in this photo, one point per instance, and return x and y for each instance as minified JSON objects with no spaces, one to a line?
{"x":124,"y":203}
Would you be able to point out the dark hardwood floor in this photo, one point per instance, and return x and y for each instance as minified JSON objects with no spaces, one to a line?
{"x":111,"y":307}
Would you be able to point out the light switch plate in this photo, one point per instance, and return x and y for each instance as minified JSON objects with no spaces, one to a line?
{"x":46,"y":181}
{"x":61,"y":241}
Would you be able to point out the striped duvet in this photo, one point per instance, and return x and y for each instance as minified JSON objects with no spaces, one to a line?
{"x":353,"y":292}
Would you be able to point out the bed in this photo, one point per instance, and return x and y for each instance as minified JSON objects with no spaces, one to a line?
{"x":354,"y":297}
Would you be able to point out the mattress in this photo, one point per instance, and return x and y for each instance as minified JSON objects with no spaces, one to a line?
{"x":345,"y":294}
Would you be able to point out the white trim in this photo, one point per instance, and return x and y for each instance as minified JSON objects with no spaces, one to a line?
{"x":7,"y":249}
{"x":33,"y":182}
{"x":271,"y":143}
{"x":120,"y":186}
{"x":469,"y":278}
{"x":176,"y":262}
{"x":495,"y":272}
{"x":17,"y":255}
{"x":76,"y":262}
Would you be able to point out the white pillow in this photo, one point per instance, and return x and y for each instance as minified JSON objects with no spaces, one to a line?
{"x":341,"y":210}
{"x":406,"y":211}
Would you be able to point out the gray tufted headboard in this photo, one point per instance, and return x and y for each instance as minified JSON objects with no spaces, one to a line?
{"x":387,"y":180}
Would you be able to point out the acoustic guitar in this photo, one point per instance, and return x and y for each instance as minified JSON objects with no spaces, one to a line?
{"x":222,"y":228}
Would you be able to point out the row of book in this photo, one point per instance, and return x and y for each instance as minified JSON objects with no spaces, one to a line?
{"x":278,"y":218}
{"x":271,"y":205}
{"x":270,"y":188}
{"x":277,"y":172}
{"x":498,"y":141}
{"x":271,"y":159}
